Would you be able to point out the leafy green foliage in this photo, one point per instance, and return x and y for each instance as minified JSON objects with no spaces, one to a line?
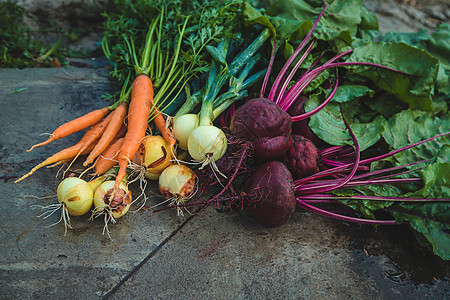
{"x":18,"y":49}
{"x":329,"y":125}
{"x":208,"y":22}
{"x":436,"y":43}
{"x":291,"y":20}
{"x":411,"y":126}
{"x":431,"y":219}
{"x":415,"y":89}
{"x":386,"y":110}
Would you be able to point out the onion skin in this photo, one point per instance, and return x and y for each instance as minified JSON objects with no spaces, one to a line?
{"x":302,"y":157}
{"x":207,"y":142}
{"x":271,"y":187}
{"x":266,"y":125}
{"x":119,"y":205}
{"x":154,"y":154}
{"x":76,"y":195}
{"x":177,"y":181}
{"x":182,"y":128}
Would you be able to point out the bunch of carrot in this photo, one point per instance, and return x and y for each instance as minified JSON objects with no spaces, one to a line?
{"x":109,"y":140}
{"x":116,"y":132}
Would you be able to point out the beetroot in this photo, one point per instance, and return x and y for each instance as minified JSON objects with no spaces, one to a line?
{"x":302,"y":127}
{"x":272,"y":189}
{"x":301,"y":157}
{"x":266,"y":125}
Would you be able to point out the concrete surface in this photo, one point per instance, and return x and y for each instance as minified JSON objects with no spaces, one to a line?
{"x":209,"y":255}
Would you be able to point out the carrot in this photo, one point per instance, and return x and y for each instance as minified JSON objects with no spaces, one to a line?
{"x":75,"y":125}
{"x":114,"y":125}
{"x":160,"y":123}
{"x":108,"y":159}
{"x":121,"y":133}
{"x":64,"y":155}
{"x":138,"y":114}
{"x":92,"y":135}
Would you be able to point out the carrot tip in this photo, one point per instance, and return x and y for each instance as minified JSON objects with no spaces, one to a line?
{"x":50,"y":139}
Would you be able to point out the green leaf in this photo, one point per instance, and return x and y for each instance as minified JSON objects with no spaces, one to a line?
{"x":345,"y":93}
{"x":411,"y":126}
{"x":369,"y":20}
{"x":415,"y":89}
{"x":253,"y":16}
{"x":383,"y":104}
{"x":340,"y":15}
{"x":436,"y":43}
{"x":431,"y":220}
{"x":436,"y":179}
{"x":330,"y":127}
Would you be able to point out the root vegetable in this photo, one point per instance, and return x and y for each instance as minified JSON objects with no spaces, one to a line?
{"x":154,"y":155}
{"x":272,"y":189}
{"x":182,"y":128}
{"x":302,"y":157}
{"x":177,"y":183}
{"x":266,"y":125}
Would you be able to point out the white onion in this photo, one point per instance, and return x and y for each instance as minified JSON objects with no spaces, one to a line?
{"x":182,"y":128}
{"x":207,"y":143}
{"x":75,"y":197}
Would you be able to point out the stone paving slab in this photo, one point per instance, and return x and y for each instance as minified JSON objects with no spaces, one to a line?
{"x":39,"y":261}
{"x":209,"y":255}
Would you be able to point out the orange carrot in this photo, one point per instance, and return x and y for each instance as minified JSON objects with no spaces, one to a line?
{"x":160,"y":123}
{"x":92,"y":135}
{"x":114,"y":125}
{"x":138,"y":114}
{"x":75,"y":125}
{"x":111,"y":158}
{"x":122,"y":132}
{"x":108,"y":159}
{"x":63,"y":155}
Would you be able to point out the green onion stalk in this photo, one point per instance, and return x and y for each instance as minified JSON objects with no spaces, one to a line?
{"x":205,"y":142}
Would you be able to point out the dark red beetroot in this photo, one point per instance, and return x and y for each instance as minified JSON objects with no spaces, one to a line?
{"x":302,"y":157}
{"x":302,"y":127}
{"x":272,"y":189}
{"x":266,"y":125}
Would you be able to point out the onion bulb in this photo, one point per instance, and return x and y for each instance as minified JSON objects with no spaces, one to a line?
{"x":182,"y":128}
{"x":207,"y":144}
{"x":114,"y":208}
{"x":177,"y":182}
{"x":76,"y":196}
{"x":154,"y":155}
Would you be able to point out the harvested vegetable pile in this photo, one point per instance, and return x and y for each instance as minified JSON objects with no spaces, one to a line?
{"x":300,"y":104}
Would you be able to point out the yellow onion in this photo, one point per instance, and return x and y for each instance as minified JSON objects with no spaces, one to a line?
{"x":76,"y":196}
{"x":154,"y":155}
{"x":177,"y":181}
{"x":116,"y":207}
